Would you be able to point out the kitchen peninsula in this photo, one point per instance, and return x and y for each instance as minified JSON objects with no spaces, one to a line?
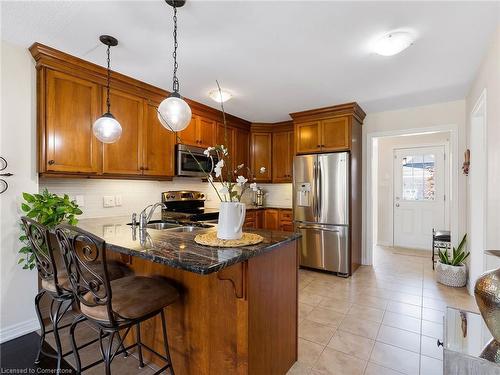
{"x":238,"y":308}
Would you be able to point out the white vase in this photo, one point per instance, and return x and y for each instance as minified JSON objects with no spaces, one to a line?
{"x":455,"y":276}
{"x":231,"y":218}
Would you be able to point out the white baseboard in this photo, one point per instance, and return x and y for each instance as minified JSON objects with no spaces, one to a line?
{"x":384,"y":243}
{"x":17,"y":330}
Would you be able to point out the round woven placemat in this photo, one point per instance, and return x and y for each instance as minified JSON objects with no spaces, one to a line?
{"x":210,"y":239}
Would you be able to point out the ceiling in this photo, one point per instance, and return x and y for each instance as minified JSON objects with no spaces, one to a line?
{"x":276,"y":57}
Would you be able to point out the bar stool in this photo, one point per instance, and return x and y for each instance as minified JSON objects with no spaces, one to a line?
{"x":55,"y":284}
{"x":111,"y":306}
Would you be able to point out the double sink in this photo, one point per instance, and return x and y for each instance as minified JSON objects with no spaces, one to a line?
{"x":173,"y":226}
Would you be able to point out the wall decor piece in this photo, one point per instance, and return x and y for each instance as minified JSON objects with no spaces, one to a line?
{"x":466,"y":164}
{"x":487,"y":293}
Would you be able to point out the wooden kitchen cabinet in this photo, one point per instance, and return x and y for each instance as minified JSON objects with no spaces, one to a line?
{"x":261,"y":155}
{"x":308,"y":137}
{"x":324,"y":135}
{"x":201,"y":132}
{"x":286,"y":220}
{"x":125,"y":155}
{"x":271,"y":219}
{"x":283,"y":154}
{"x":259,"y":219}
{"x":335,"y":134}
{"x":225,"y":136}
{"x":241,"y":152}
{"x":159,"y":145}
{"x":250,"y":219}
{"x":66,"y":141}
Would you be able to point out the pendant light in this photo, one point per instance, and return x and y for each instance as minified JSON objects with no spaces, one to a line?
{"x":106,"y":128}
{"x":173,"y":112}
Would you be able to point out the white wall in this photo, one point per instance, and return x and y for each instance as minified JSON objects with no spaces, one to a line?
{"x":385,"y":177}
{"x":488,"y":77}
{"x":138,"y":194}
{"x":412,"y":121}
{"x":17,"y":144}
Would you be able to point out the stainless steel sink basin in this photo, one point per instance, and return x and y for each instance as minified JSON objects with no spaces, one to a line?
{"x":162,"y":225}
{"x":187,"y":228}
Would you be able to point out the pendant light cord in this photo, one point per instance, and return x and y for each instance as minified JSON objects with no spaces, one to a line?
{"x":108,"y":103}
{"x":175,"y":83}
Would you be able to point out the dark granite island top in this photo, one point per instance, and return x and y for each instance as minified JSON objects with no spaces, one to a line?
{"x":178,"y":249}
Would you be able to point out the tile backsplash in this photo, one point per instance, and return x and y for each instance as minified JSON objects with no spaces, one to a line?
{"x":136,"y":194}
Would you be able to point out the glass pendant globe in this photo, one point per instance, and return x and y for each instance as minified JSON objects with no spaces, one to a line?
{"x":174,"y":113}
{"x":107,"y":129}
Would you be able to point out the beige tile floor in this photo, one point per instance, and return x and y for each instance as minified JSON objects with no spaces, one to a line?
{"x":384,"y":320}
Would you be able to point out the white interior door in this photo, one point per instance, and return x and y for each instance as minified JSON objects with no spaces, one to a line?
{"x":419,"y":195}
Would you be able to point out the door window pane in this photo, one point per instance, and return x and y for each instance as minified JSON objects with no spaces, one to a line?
{"x":418,"y":177}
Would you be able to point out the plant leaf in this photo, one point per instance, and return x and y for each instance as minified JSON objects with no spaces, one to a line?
{"x":25,"y":207}
{"x":28,"y":197}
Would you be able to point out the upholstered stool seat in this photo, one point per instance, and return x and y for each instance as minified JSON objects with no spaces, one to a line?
{"x":116,"y":270}
{"x":133,"y":297}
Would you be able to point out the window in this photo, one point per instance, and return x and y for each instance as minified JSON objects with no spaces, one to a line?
{"x":418,"y":177}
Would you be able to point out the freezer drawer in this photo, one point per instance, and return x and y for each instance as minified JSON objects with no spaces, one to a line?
{"x":324,"y":247}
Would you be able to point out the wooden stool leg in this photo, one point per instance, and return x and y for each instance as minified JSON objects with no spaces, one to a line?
{"x":165,"y":341}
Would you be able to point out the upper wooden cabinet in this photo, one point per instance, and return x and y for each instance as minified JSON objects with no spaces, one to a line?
{"x":308,"y":136}
{"x":260,"y":149}
{"x":326,"y":129}
{"x":66,"y":141}
{"x":283,"y":156}
{"x":241,"y":151}
{"x":225,"y":136}
{"x":159,"y":145}
{"x":201,"y":132}
{"x":71,"y":96}
{"x":125,"y":155}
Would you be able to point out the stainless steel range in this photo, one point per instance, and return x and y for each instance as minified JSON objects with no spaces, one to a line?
{"x":187,"y":205}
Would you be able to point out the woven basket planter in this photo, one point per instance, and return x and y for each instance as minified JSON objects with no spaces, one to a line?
{"x":455,"y":276}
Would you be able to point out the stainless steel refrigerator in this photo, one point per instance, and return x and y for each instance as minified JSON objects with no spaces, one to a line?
{"x":321,"y":194}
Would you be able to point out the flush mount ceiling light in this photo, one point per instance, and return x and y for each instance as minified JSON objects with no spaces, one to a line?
{"x":106,"y":128}
{"x":173,"y":112}
{"x":393,"y":43}
{"x":220,"y":97}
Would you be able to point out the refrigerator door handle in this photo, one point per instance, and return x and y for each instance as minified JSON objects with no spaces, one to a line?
{"x":320,"y":191}
{"x":315,"y":195}
{"x":318,"y":228}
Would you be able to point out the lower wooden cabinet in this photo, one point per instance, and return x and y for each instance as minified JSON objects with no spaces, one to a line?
{"x":269,"y":218}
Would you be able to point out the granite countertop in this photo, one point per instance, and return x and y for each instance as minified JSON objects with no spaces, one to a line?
{"x":178,"y":249}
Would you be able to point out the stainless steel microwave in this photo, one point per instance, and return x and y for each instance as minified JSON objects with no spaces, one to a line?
{"x":191,"y":162}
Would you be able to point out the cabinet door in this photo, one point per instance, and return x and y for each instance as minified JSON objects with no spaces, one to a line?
{"x":259,"y":219}
{"x":72,"y":106}
{"x":271,"y":219}
{"x":206,"y":132}
{"x":335,"y":134}
{"x":159,"y":146}
{"x":307,"y":137}
{"x":249,"y":219}
{"x":261,"y":156}
{"x":282,"y":156}
{"x":125,"y":155}
{"x":225,"y":136}
{"x":189,"y":136}
{"x":241,"y":152}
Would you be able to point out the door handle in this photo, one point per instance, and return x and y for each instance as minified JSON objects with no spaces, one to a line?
{"x":319,"y":228}
{"x":397,"y":204}
{"x":3,"y":166}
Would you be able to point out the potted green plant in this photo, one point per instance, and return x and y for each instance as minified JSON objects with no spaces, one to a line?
{"x":452,"y":271}
{"x":49,"y":210}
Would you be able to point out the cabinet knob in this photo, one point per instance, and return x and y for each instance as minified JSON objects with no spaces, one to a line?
{"x":51,"y":162}
{"x":439,"y":343}
{"x":318,"y":145}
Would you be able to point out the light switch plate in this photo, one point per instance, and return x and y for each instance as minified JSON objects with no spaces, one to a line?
{"x":80,"y":200}
{"x":108,"y":201}
{"x":118,"y":200}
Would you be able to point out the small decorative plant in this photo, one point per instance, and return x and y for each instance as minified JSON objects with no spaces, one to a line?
{"x":49,"y":210}
{"x":451,"y":271}
{"x":459,"y":254}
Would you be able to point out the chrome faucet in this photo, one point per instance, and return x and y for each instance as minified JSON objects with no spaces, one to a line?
{"x":145,"y":217}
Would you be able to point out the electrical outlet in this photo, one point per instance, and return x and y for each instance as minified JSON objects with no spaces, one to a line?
{"x":80,"y":200}
{"x":118,"y":200}
{"x":108,"y":231}
{"x":108,"y":201}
